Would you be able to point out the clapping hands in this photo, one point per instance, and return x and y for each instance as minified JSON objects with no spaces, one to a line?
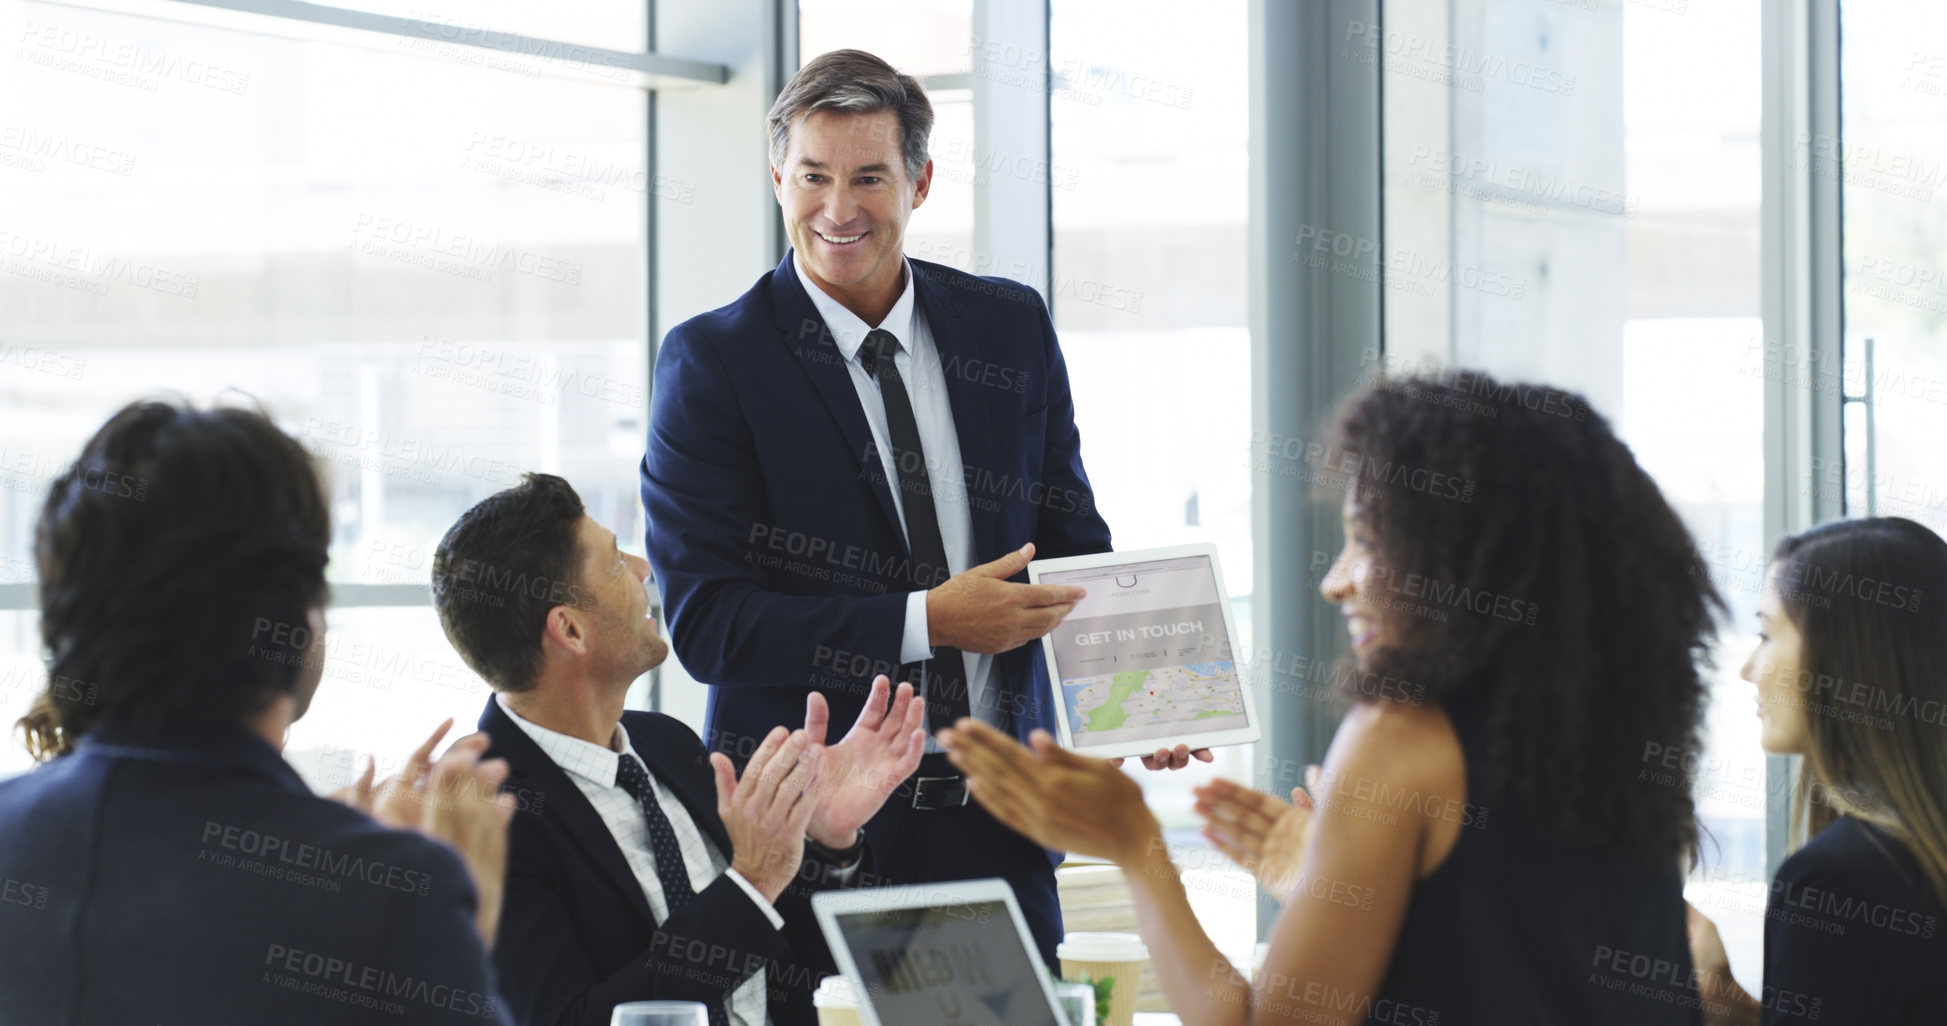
{"x":455,"y":800}
{"x":1264,"y":834}
{"x":881,"y":750}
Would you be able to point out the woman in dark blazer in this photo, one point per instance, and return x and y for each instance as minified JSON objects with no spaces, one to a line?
{"x":164,"y":864}
{"x":1851,"y":669}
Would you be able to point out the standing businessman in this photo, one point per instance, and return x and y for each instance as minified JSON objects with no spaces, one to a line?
{"x":850,"y":466}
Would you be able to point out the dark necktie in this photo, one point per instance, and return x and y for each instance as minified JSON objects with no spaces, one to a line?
{"x":630,"y":776}
{"x":945,"y":683}
{"x":671,"y":871}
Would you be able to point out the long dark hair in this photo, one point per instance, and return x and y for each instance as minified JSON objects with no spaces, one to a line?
{"x":1547,"y":586}
{"x":1873,"y":663}
{"x":178,"y":557}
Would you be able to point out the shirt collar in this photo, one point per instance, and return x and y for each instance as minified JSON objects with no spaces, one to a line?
{"x":847,"y":328}
{"x":589,"y":761}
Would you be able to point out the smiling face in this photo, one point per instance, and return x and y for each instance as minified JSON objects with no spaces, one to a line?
{"x":1347,"y":583}
{"x":1774,"y":668}
{"x":622,"y":641}
{"x":845,"y":196}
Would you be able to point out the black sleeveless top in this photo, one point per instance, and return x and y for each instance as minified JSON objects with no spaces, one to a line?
{"x":1519,"y":929}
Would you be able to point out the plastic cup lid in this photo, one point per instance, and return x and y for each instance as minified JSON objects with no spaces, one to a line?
{"x":1103,"y":947}
{"x":834,"y":992}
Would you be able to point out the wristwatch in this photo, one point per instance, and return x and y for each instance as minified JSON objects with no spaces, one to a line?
{"x":840,"y":858}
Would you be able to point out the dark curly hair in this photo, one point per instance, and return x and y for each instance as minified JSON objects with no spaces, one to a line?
{"x":1557,"y":594}
{"x":501,"y":567}
{"x":163,"y":553}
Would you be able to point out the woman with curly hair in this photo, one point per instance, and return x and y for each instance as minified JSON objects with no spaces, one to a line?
{"x":1486,"y":845}
{"x":1851,"y":669}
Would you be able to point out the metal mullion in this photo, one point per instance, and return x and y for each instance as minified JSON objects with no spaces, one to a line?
{"x":653,"y":700}
{"x":1314,"y":160}
{"x":1801,"y":301}
{"x":284,"y":18}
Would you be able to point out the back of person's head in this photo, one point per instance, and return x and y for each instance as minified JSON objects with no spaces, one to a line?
{"x":1531,"y":570}
{"x":1872,"y":662}
{"x":500,"y":569}
{"x":179,"y":559}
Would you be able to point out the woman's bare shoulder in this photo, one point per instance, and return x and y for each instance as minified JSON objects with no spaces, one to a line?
{"x":1400,"y":744}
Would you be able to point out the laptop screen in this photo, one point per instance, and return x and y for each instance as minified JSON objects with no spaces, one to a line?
{"x":958,"y":964}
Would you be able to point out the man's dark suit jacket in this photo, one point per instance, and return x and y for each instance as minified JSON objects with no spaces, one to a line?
{"x":189,"y":878}
{"x":781,"y":557}
{"x":576,"y":933}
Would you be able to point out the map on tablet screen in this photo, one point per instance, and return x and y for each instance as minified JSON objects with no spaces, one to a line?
{"x":1145,"y":659}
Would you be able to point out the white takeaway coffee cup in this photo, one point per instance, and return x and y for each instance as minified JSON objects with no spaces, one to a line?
{"x":1120,"y":957}
{"x":837,"y":1003}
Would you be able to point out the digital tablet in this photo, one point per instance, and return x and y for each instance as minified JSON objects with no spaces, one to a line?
{"x":951,"y":954}
{"x":1146,"y":660}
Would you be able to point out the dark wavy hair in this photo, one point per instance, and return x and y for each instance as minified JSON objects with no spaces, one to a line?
{"x":1872,"y":663}
{"x":163,"y":553}
{"x":501,"y":567}
{"x":1544,"y":582}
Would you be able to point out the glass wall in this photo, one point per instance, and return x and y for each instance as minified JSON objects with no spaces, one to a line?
{"x":1149,"y":149}
{"x":1891,"y":163}
{"x":609,"y":24}
{"x":933,"y":40}
{"x":428,"y":270}
{"x":1572,"y":196}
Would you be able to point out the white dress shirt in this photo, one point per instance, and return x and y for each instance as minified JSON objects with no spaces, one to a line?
{"x":918,"y":362}
{"x":593,"y":768}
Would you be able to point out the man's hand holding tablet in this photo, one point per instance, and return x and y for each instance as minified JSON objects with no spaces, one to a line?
{"x":1173,"y":759}
{"x":982,"y":611}
{"x":1143,"y":665}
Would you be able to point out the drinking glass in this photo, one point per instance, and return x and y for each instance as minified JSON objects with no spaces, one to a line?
{"x":1077,"y":1001}
{"x":660,"y":1013}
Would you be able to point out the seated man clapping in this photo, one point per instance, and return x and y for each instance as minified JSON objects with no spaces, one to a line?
{"x":643,"y":868}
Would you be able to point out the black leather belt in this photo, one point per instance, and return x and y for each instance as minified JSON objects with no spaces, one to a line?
{"x":939,"y":792}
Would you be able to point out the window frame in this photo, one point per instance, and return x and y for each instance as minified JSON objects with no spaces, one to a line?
{"x":649,"y":70}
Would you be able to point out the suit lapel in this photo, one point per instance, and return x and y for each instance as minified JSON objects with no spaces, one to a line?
{"x":675,"y":766}
{"x":973,"y":419}
{"x":805,"y":333}
{"x":531,"y":769}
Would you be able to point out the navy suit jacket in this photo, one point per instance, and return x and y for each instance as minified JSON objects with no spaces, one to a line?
{"x":771,"y":526}
{"x":176,"y":879}
{"x":577,"y":936}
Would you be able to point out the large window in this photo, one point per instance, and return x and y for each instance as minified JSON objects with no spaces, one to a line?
{"x":1572,"y":195}
{"x":1891,"y":163}
{"x":611,"y":24}
{"x":426,"y":265}
{"x":933,"y":40}
{"x":1148,"y":175}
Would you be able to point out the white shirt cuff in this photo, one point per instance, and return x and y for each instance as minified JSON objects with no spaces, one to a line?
{"x":770,"y":912}
{"x":915,"y":646}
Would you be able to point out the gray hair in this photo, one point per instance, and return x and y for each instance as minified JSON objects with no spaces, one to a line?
{"x":855,"y":82}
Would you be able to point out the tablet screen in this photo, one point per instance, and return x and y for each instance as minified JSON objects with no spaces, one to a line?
{"x":957,"y":964}
{"x":1146,"y":654}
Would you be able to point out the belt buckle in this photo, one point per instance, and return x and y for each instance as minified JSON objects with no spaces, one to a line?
{"x":919,"y":789}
